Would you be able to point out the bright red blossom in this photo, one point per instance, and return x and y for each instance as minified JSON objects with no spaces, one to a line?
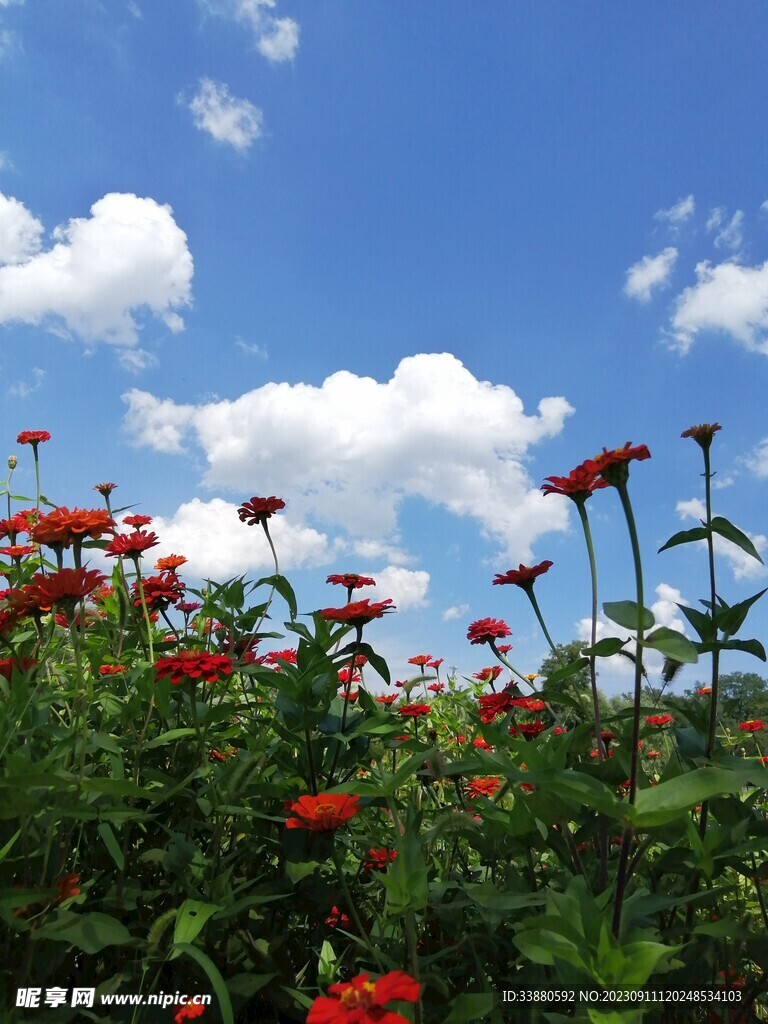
{"x":136,"y":521}
{"x":483,"y":786}
{"x":578,"y":485}
{"x":131,"y":544}
{"x":351,"y":580}
{"x":753,"y":725}
{"x":259,"y":510}
{"x":67,"y":886}
{"x":159,"y":591}
{"x":386,"y":698}
{"x":378,"y":859}
{"x":66,"y":586}
{"x":414,"y":710}
{"x":323,"y":813}
{"x":362,"y":1001}
{"x":524,"y":576}
{"x":659,"y":719}
{"x":485,"y":631}
{"x":489,"y":674}
{"x":170,"y":563}
{"x":420,"y":659}
{"x":193,"y":665}
{"x":358,"y":613}
{"x":612,"y":465}
{"x":33,"y":437}
{"x":189,"y":1011}
{"x":62,"y":527}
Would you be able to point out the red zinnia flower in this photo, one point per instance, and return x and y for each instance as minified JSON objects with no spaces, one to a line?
{"x":436,"y":687}
{"x":612,"y":465}
{"x":485,"y":631}
{"x":386,"y":698}
{"x":67,"y":586}
{"x":137,"y":520}
{"x":753,"y":725}
{"x":532,"y":704}
{"x":188,"y":1012}
{"x":7,"y":666}
{"x":258,"y":510}
{"x":420,"y":659}
{"x":337,"y":917}
{"x":67,"y":886}
{"x":530,"y":729}
{"x":351,"y":580}
{"x":193,"y":665}
{"x":703,"y":691}
{"x":62,"y":526}
{"x":323,"y":813}
{"x":289,"y":655}
{"x":414,"y":710}
{"x":131,"y":544}
{"x":481,"y":744}
{"x":358,"y":613}
{"x":111,"y":670}
{"x":524,"y":576}
{"x":435,"y":663}
{"x":489,"y":674}
{"x":483,"y":786}
{"x":350,"y":695}
{"x":653,"y":754}
{"x":170,"y":563}
{"x":702,"y":434}
{"x":493,"y":704}
{"x":659,"y":719}
{"x":33,"y":437}
{"x":187,"y":607}
{"x":159,"y":591}
{"x":362,"y":1001}
{"x":105,"y":489}
{"x":578,"y":485}
{"x":18,"y":550}
{"x":378,"y":859}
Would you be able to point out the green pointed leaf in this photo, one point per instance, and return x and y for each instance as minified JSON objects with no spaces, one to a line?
{"x":732,"y":533}
{"x":470,"y":1006}
{"x":701,"y":623}
{"x":215,"y":978}
{"x":191,"y":920}
{"x":284,"y":589}
{"x":625,"y":614}
{"x":89,"y":932}
{"x":606,"y":647}
{"x":567,"y":671}
{"x":753,"y":647}
{"x":376,"y":661}
{"x":730,"y":620}
{"x":672,"y":644}
{"x":663,"y":803}
{"x":111,"y":843}
{"x":686,"y":537}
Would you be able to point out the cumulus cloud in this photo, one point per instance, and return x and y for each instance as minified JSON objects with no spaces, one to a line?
{"x":20,"y":231}
{"x":650,"y":273}
{"x":277,"y":39}
{"x":433,"y":432}
{"x":252,"y":348}
{"x":227,"y":119}
{"x":406,"y":587}
{"x":127,"y":258}
{"x":757,"y":461}
{"x":727,"y":297}
{"x":743,"y":566}
{"x":455,"y":611}
{"x":681,"y":211}
{"x":24,"y":388}
{"x":731,"y":235}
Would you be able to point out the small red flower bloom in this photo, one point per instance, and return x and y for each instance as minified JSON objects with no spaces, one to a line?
{"x":504,"y":648}
{"x":67,"y":886}
{"x":435,"y":663}
{"x":8,"y":665}
{"x":362,"y":1001}
{"x":193,"y":665}
{"x":111,"y":670}
{"x":532,"y":704}
{"x":578,"y":485}
{"x":386,"y":698}
{"x":337,"y":917}
{"x":346,"y":676}
{"x":436,"y":687}
{"x":258,"y":510}
{"x":159,"y":591}
{"x":703,"y":691}
{"x":351,"y":580}
{"x":289,"y":655}
{"x":33,"y":437}
{"x":323,"y":813}
{"x":702,"y":434}
{"x":414,"y":710}
{"x":131,"y":544}
{"x":378,"y":859}
{"x":358,"y":613}
{"x":489,"y":674}
{"x":420,"y":659}
{"x":653,"y":754}
{"x":136,"y":521}
{"x":483,"y":786}
{"x":524,"y":576}
{"x":105,"y":488}
{"x":481,"y":744}
{"x":612,"y":465}
{"x":531,"y":729}
{"x":493,"y":704}
{"x":484,"y":631}
{"x":18,"y":550}
{"x":659,"y":719}
{"x":350,"y":695}
{"x":753,"y":725}
{"x":189,"y":1011}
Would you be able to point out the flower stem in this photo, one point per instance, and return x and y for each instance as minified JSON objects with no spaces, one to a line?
{"x":145,"y":610}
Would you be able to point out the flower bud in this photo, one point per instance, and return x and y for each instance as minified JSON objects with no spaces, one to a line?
{"x":12,"y":462}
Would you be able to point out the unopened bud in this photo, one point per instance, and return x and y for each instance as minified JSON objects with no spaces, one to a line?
{"x":12,"y":462}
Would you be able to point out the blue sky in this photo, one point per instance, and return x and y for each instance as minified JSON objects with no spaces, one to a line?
{"x":396,"y":263}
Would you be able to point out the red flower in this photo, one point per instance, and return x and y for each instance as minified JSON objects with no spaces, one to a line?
{"x":347,"y":675}
{"x":532,"y":704}
{"x":362,"y":1001}
{"x":67,"y":886}
{"x":159,"y":591}
{"x":323,"y":813}
{"x":659,"y":719}
{"x":137,"y":521}
{"x":653,"y":754}
{"x":578,"y":485}
{"x":497,"y":704}
{"x":358,"y":613}
{"x":612,"y":466}
{"x":33,"y":437}
{"x":486,"y":631}
{"x":188,"y":1012}
{"x":530,"y":729}
{"x":187,"y":607}
{"x":702,"y":434}
{"x":483,"y":786}
{"x":259,"y":510}
{"x":414,"y":710}
{"x":131,"y":544}
{"x":111,"y":670}
{"x":753,"y":725}
{"x":503,"y":648}
{"x":170,"y":563}
{"x":289,"y":655}
{"x":703,"y":691}
{"x":435,"y":663}
{"x":420,"y":659}
{"x":61,"y":527}
{"x":524,"y":576}
{"x":18,"y":550}
{"x":386,"y":698}
{"x":337,"y":917}
{"x":378,"y":859}
{"x":8,"y":665}
{"x":481,"y":744}
{"x":436,"y":687}
{"x":105,"y":489}
{"x":351,"y":580}
{"x":193,"y":665}
{"x":67,"y":586}
{"x":350,"y":695}
{"x":489,"y":674}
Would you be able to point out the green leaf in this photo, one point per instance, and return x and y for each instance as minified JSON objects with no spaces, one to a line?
{"x":470,"y":1006}
{"x":606,"y":647}
{"x":9,"y":845}
{"x":686,"y":537}
{"x":625,"y":614}
{"x":701,"y":623}
{"x":215,"y":978}
{"x":730,"y":620}
{"x":726,"y":529}
{"x":284,"y":589}
{"x":168,"y":737}
{"x":672,"y":644}
{"x":753,"y":647}
{"x":89,"y":932}
{"x":567,"y":671}
{"x":191,"y":920}
{"x":111,"y":843}
{"x":663,"y":803}
{"x":376,"y":661}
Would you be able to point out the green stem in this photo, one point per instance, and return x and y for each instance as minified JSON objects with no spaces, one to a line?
{"x":277,"y":573}
{"x":352,"y":906}
{"x":145,"y":610}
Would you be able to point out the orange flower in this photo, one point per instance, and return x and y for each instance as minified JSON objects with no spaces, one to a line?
{"x":483,"y":786}
{"x":323,"y":813}
{"x":170,"y":563}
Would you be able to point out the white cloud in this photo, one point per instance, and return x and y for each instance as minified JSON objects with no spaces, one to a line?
{"x":727,"y":297}
{"x":681,"y":211}
{"x":732,"y":235}
{"x":23,"y":388}
{"x":20,"y":231}
{"x":650,"y":273}
{"x":743,"y":566}
{"x":406,"y":587}
{"x":277,"y":39}
{"x":135,"y":10}
{"x":129,"y":256}
{"x":757,"y":460}
{"x":456,"y":611}
{"x":218,"y":545}
{"x":9,"y":42}
{"x":5,"y":161}
{"x":252,"y":348}
{"x":225,"y":118}
{"x":715,"y":219}
{"x":350,"y":452}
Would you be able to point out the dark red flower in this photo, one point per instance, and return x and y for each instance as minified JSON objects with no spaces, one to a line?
{"x":105,"y":488}
{"x":485,"y":631}
{"x":337,"y":917}
{"x":524,"y":576}
{"x":413,"y":710}
{"x":753,"y":725}
{"x":258,"y":510}
{"x":136,"y":521}
{"x":187,"y":607}
{"x":435,"y":663}
{"x":289,"y":655}
{"x":386,"y":698}
{"x":489,"y":674}
{"x":493,"y":704}
{"x":702,"y":434}
{"x":193,"y":665}
{"x":530,"y":729}
{"x":67,"y":587}
{"x":612,"y":465}
{"x":9,"y":665}
{"x":361,"y":1001}
{"x":659,"y":720}
{"x":357,"y":613}
{"x":379,"y":859}
{"x":159,"y":591}
{"x":503,"y":648}
{"x":578,"y":485}
{"x":351,"y":580}
{"x":33,"y":437}
{"x":67,"y":886}
{"x":323,"y":813}
{"x":131,"y":544}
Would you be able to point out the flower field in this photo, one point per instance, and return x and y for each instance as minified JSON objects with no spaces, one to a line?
{"x":204,"y":792}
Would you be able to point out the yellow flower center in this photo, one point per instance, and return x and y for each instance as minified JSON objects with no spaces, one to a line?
{"x":358,"y":998}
